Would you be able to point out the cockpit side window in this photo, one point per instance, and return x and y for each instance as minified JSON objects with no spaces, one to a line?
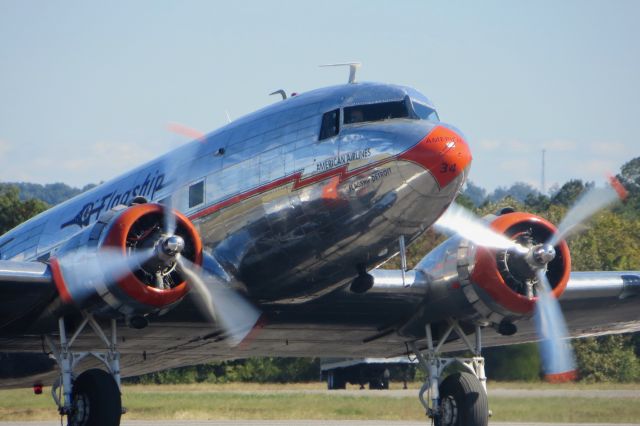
{"x":376,"y":112}
{"x":424,"y":112}
{"x":330,"y":124}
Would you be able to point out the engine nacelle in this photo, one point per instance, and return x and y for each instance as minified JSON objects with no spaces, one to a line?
{"x":90,"y":275}
{"x":496,"y":284}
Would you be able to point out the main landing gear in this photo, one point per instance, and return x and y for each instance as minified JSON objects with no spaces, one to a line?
{"x":92,"y":398}
{"x":461,"y":398}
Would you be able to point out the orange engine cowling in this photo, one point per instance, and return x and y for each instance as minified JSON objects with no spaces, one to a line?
{"x":89,"y":273}
{"x":502,"y":274}
{"x":496,"y":284}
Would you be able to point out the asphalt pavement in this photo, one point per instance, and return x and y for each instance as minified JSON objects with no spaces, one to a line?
{"x":300,"y":423}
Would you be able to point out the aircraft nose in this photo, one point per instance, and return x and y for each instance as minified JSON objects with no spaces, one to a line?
{"x":444,"y":152}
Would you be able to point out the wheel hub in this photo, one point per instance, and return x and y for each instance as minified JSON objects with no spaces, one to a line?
{"x":448,"y":411}
{"x":80,"y":410}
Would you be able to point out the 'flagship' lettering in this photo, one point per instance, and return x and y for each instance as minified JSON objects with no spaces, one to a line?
{"x":91,"y":210}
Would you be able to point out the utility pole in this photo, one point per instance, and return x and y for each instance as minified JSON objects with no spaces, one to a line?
{"x":542,"y":182}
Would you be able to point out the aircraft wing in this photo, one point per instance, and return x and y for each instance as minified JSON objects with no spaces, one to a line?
{"x":25,"y":289}
{"x":593,"y":303}
{"x":602,"y":303}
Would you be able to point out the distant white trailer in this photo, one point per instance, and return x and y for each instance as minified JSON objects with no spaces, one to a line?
{"x":362,"y":371}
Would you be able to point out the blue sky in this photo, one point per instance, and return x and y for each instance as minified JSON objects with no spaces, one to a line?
{"x":87,"y":88}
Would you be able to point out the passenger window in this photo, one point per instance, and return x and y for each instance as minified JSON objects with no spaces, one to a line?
{"x":330,"y":124}
{"x":196,"y":194}
{"x":375,"y":112}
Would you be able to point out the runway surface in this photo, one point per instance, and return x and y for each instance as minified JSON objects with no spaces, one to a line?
{"x":412,"y":393}
{"x":302,"y":423}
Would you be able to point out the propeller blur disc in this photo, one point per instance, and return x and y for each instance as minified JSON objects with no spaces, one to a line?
{"x":221,"y":303}
{"x":589,"y":203}
{"x":556,"y":353}
{"x":461,"y":221}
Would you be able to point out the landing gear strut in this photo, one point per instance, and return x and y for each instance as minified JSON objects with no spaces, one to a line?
{"x":92,"y":398}
{"x":461,"y":398}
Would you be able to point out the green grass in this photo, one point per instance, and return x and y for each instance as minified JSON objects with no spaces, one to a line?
{"x":565,"y":410}
{"x":568,"y":385}
{"x":251,"y":401}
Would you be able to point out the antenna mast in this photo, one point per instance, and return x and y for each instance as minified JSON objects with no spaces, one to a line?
{"x":353,"y":66}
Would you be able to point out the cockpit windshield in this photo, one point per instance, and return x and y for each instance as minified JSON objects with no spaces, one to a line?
{"x":380,"y":111}
{"x":376,"y":112}
{"x":424,"y":112}
{"x":388,"y":110}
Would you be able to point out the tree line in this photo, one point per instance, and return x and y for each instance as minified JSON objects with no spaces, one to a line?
{"x":611,"y":241}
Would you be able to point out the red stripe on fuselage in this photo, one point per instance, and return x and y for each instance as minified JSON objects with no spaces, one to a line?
{"x":298,"y":183}
{"x":423,"y":153}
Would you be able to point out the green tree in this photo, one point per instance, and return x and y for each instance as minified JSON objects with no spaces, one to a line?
{"x":513,"y":363}
{"x":630,"y":176}
{"x":519,"y":191}
{"x":51,"y":193}
{"x":607,"y":358}
{"x":537,"y":203}
{"x":465,"y":201}
{"x":13,"y":211}
{"x":569,"y":192}
{"x":495,"y":206}
{"x":261,"y":370}
{"x":611,"y":242}
{"x":476,"y":194}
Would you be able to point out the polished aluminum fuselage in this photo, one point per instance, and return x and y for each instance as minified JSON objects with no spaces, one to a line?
{"x":288,"y":215}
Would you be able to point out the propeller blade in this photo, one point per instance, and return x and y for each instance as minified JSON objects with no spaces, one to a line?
{"x":118,"y":265}
{"x":170,"y":221}
{"x":461,"y":221}
{"x":589,"y":203}
{"x":87,"y":269}
{"x":185,"y":131}
{"x":171,"y":167}
{"x":222,"y":304}
{"x":556,"y":353}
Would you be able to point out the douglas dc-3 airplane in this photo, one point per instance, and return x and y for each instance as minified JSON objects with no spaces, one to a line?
{"x":264,"y":238}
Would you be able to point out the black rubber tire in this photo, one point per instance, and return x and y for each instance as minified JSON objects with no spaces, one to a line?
{"x":463,"y":401}
{"x":96,"y":400}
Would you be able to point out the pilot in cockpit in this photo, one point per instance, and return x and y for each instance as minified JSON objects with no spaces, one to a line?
{"x":356,"y":116}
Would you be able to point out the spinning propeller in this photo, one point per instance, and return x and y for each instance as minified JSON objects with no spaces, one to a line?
{"x":144,"y":258}
{"x":556,"y":353}
{"x":216,"y":299}
{"x":221,"y":303}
